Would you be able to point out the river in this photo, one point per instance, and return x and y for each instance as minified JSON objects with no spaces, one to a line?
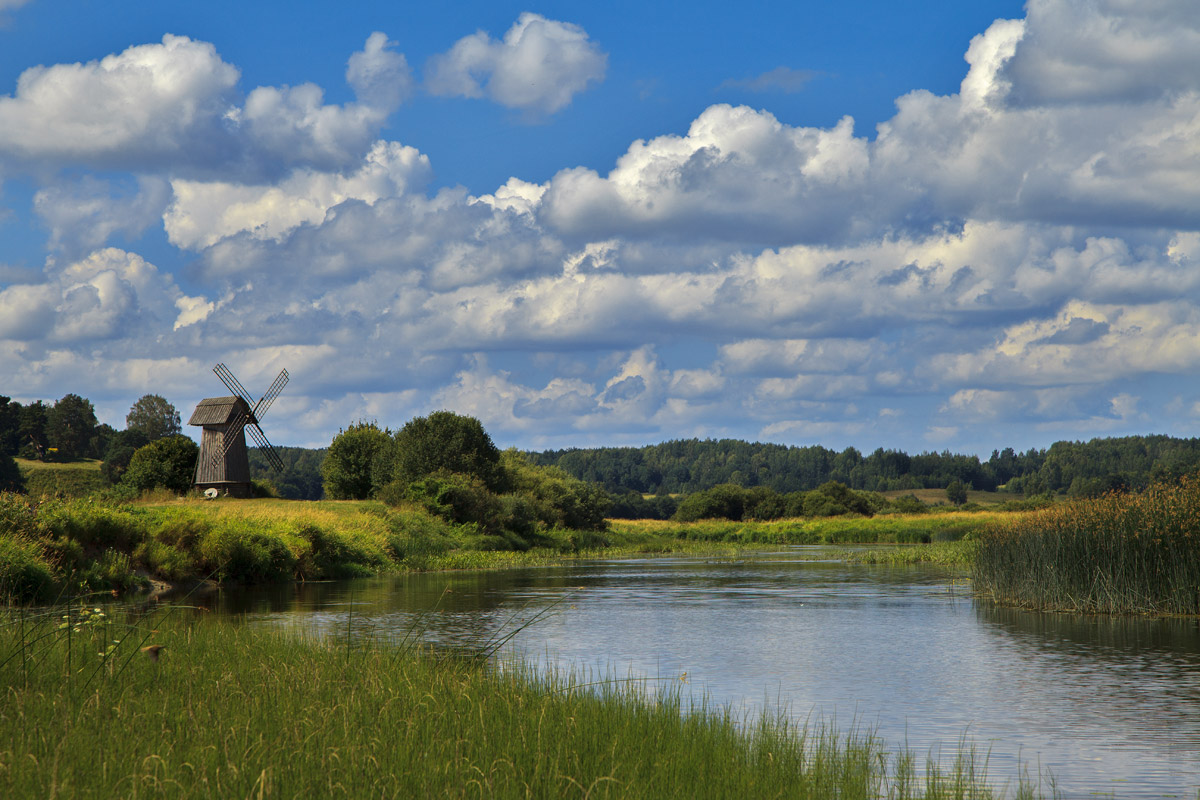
{"x":1108,"y":706}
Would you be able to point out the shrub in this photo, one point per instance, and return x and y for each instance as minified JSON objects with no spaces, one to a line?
{"x":447,"y":442}
{"x":724,"y":501}
{"x":25,"y":570}
{"x":356,"y":466}
{"x":457,"y":498}
{"x":169,"y":463}
{"x":11,"y":479}
{"x":241,"y":551}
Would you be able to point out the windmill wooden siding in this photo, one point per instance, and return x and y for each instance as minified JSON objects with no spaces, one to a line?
{"x":223,"y":464}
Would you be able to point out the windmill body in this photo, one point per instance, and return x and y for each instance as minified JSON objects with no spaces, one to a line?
{"x":224,"y":463}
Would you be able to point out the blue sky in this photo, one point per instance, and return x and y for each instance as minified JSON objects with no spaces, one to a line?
{"x":925,"y":226}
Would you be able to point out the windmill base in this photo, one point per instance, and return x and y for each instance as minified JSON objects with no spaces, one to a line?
{"x":226,"y":488}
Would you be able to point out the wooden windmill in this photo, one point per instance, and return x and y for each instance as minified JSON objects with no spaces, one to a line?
{"x":223,"y":464}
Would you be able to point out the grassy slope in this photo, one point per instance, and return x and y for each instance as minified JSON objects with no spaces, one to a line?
{"x":226,"y":710}
{"x":83,"y":464}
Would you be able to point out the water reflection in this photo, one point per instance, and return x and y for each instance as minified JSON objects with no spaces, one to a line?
{"x":1108,"y":704}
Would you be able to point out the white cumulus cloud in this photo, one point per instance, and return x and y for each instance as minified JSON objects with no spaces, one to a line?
{"x":539,"y":66}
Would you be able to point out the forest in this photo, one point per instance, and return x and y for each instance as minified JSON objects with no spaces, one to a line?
{"x":67,"y":430}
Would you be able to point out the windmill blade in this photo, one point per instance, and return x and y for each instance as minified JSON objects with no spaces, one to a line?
{"x":265,"y":401}
{"x":265,"y":447}
{"x":231,"y":382}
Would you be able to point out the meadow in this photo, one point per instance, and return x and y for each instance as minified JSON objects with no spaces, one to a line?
{"x":167,"y":705}
{"x":50,"y":546}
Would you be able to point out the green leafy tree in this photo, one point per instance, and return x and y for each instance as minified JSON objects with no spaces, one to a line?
{"x":956,"y":492}
{"x":69,"y":426}
{"x":358,"y":458}
{"x":11,"y":479}
{"x":153,"y":416}
{"x":445,"y":441}
{"x":31,"y":431}
{"x":121,"y":448}
{"x":169,"y":463}
{"x":556,"y":499}
{"x":10,"y":426}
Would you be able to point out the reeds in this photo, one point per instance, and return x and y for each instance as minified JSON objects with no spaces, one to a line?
{"x":1121,"y":553}
{"x":228,"y":710}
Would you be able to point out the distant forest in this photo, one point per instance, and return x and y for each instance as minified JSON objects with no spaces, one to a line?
{"x":685,"y":466}
{"x":68,"y":430}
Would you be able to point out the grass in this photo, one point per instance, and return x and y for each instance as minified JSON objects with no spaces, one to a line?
{"x":952,"y":554}
{"x":226,"y":710}
{"x":53,"y":545}
{"x":893,"y":528}
{"x":1135,"y":553}
{"x":84,"y":464}
{"x":62,"y":479}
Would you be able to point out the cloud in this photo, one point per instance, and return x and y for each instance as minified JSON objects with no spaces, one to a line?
{"x":202,"y":213}
{"x":1002,"y":255}
{"x":83,"y":215}
{"x":380,"y":77}
{"x":109,"y":296}
{"x":1105,"y":51}
{"x":540,"y":65}
{"x":780,"y":79}
{"x":173,"y":107}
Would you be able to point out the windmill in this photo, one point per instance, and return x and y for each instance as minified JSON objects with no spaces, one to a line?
{"x":223,"y":463}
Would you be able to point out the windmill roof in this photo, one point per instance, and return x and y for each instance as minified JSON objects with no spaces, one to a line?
{"x":218,"y":411}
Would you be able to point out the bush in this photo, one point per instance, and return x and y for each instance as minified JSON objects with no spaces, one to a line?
{"x":725,"y":501}
{"x":358,"y":463}
{"x":241,"y":551}
{"x":169,"y":463}
{"x":25,"y":571}
{"x":909,"y":504}
{"x":457,"y":498}
{"x":11,"y":479}
{"x":557,"y":499}
{"x":447,"y":442}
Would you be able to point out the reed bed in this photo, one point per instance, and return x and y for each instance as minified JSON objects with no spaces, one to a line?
{"x":1117,"y":554}
{"x":100,"y":705}
{"x":893,"y":528}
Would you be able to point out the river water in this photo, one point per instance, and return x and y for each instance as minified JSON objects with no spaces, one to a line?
{"x":1108,"y":706}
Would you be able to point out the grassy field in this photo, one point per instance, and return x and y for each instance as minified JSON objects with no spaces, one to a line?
{"x":164,"y":706}
{"x":936,"y":496}
{"x":86,"y":464}
{"x":893,"y":528}
{"x":69,"y":479}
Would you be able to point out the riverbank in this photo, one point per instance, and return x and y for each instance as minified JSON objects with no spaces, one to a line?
{"x":55,"y":547}
{"x":1135,"y":553}
{"x":171,"y":706}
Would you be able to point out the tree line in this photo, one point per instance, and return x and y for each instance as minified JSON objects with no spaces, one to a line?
{"x":693,"y":465}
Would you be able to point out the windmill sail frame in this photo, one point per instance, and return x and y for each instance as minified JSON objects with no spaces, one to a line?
{"x":224,"y":462}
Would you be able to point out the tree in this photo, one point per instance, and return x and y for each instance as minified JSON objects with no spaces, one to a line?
{"x":169,"y":463}
{"x":69,"y":426}
{"x":121,"y":448}
{"x":358,"y":462}
{"x":956,"y":492}
{"x":31,"y":431}
{"x":153,"y":416}
{"x":11,"y":479}
{"x":445,"y":441}
{"x":10,"y":426}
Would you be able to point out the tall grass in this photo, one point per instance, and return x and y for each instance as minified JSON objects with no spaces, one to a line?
{"x":226,"y":710}
{"x":824,"y":530}
{"x":1135,"y":553}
